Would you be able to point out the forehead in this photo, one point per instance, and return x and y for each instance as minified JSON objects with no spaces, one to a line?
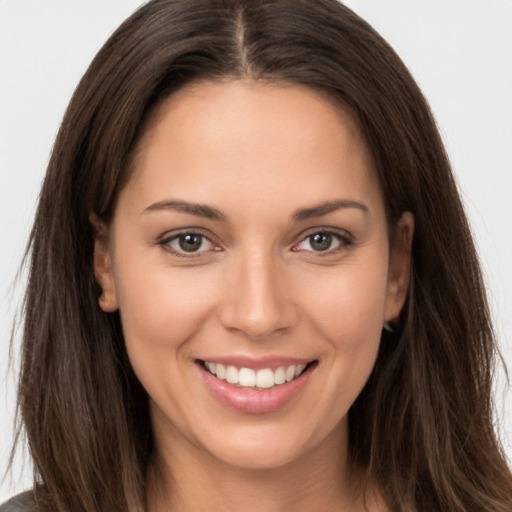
{"x":229,"y":100}
{"x":254,"y":138}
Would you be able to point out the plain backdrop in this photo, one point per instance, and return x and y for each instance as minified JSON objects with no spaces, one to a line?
{"x":460,"y":52}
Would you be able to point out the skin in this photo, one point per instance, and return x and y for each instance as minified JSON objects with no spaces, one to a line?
{"x":257,"y":286}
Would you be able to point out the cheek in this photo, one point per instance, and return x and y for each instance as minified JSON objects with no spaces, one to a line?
{"x":347,"y":313}
{"x":161,"y":310}
{"x":162,"y":306}
{"x":348,"y":305}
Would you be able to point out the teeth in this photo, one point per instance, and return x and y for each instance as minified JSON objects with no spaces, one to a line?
{"x":232,"y":375}
{"x":221,"y":371}
{"x":290,"y":373}
{"x":299,"y":369}
{"x":265,"y":378}
{"x":280,"y":376}
{"x":247,"y":377}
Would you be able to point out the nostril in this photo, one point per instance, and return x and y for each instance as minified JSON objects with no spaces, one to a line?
{"x":258,"y":321}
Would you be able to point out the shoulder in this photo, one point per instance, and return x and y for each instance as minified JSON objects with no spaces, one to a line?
{"x":22,"y":503}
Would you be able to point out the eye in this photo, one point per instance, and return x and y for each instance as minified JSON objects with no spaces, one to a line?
{"x":188,"y":243}
{"x":323,"y":241}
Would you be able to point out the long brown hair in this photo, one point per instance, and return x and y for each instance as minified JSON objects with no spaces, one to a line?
{"x":422,"y":428}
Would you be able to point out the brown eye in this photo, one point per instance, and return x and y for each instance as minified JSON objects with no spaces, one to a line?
{"x":190,"y":242}
{"x":320,"y":241}
{"x":323,"y":241}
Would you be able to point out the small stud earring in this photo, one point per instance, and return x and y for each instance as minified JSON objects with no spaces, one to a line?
{"x":388,"y":327}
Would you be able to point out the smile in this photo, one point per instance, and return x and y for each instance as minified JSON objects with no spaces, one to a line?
{"x":256,"y":387}
{"x":264,"y":378}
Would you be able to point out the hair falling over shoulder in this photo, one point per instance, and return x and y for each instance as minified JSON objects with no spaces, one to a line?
{"x":422,"y":429}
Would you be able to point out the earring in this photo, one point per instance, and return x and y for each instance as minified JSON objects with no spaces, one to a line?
{"x":388,"y":327}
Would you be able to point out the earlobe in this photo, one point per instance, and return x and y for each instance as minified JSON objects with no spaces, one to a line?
{"x":103,"y":265}
{"x":399,"y":268}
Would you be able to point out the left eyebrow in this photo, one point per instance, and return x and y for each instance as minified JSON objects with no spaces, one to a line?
{"x":197,"y":209}
{"x":328,"y":207}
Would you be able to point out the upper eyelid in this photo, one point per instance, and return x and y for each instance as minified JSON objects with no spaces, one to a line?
{"x":345,"y":240}
{"x":170,"y":235}
{"x":165,"y":240}
{"x":342,"y":233}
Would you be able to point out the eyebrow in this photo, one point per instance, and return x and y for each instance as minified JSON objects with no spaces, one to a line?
{"x":209,"y":212}
{"x":199,"y":210}
{"x":328,"y":207}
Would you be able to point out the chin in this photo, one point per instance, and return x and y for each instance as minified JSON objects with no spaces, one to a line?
{"x":268,"y":447}
{"x":259,"y":456}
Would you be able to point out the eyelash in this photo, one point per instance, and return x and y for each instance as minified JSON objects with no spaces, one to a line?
{"x":344,"y":241}
{"x":166,"y":242}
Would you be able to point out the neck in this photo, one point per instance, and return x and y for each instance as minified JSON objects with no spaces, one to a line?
{"x":183,"y":478}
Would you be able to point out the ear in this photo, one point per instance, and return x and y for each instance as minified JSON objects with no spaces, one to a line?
{"x":103,"y":265}
{"x":399,"y":268}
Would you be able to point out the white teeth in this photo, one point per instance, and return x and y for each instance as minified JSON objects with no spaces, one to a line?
{"x":221,"y":372}
{"x":247,"y":377}
{"x":265,"y":378}
{"x":232,"y":375}
{"x":280,"y":375}
{"x":299,"y":369}
{"x":290,"y":373}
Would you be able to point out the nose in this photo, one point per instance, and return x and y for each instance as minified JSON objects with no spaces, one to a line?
{"x":258,"y":301}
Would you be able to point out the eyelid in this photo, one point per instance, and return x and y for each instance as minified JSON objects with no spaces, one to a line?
{"x":345,"y":238}
{"x":169,"y":236}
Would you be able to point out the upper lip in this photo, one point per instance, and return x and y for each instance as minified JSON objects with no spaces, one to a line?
{"x":259,"y":363}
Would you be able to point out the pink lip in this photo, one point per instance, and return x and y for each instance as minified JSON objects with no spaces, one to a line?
{"x":252,"y":400}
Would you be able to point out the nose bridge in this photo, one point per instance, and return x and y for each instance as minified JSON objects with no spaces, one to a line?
{"x":258,"y":303}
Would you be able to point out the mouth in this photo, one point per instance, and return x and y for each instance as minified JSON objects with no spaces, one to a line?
{"x":251,"y":378}
{"x":256,"y":386}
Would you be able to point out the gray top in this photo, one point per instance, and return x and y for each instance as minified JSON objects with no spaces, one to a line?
{"x":21,"y":503}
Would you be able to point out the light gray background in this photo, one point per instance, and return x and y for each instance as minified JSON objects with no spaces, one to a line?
{"x":460,"y":51}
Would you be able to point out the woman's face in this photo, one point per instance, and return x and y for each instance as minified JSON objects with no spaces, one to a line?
{"x":251,"y":242}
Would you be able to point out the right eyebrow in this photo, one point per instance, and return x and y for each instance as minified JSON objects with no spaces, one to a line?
{"x":329,"y":207}
{"x":197,"y":209}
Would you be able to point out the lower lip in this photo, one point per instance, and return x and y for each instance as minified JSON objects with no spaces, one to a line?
{"x":252,"y":400}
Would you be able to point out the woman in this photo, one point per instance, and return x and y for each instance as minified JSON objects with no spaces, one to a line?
{"x":240,"y":296}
